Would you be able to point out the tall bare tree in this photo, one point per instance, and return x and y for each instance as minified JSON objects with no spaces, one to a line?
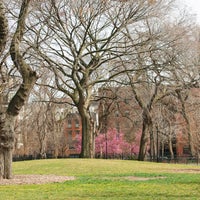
{"x":7,"y":118}
{"x":154,"y":61}
{"x":186,"y":77}
{"x":79,"y":42}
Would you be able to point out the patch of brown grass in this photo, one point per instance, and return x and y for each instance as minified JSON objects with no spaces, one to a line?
{"x":35,"y":179}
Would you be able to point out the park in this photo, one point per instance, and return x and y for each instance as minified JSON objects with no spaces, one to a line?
{"x":99,"y":99}
{"x":102,"y":179}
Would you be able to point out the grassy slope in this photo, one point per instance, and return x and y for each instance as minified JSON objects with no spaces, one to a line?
{"x":104,"y":179}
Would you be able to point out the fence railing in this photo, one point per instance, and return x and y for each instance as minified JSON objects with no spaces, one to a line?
{"x":179,"y":159}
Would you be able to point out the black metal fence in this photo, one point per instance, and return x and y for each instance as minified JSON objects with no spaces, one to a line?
{"x":180,"y":159}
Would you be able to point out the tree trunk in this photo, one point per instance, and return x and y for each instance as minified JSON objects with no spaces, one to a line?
{"x":88,"y":148}
{"x":7,"y":118}
{"x":143,"y":142}
{"x":152,"y":144}
{"x":170,"y":146}
{"x":7,"y":123}
{"x":190,"y":137}
{"x":3,"y":28}
{"x":42,"y":152}
{"x":186,"y":118}
{"x":157,"y":144}
{"x":5,"y":135}
{"x":146,"y":129}
{"x":162,"y":149}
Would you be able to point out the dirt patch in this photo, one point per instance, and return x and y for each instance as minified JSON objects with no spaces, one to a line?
{"x":135,"y":178}
{"x":35,"y":179}
{"x":193,"y":171}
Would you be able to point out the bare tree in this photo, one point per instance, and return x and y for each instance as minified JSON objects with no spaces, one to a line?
{"x":193,"y":113}
{"x":7,"y":118}
{"x":44,"y":125}
{"x":154,"y":61}
{"x":186,"y":77}
{"x":79,"y":41}
{"x":165,"y":123}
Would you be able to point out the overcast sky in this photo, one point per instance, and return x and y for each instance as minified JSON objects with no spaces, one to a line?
{"x":193,"y":7}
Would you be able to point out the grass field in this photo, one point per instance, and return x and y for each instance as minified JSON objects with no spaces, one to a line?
{"x":106,"y":179}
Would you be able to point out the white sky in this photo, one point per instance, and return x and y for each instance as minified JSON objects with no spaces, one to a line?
{"x":193,"y":7}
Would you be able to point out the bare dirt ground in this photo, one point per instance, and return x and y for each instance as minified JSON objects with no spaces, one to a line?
{"x":35,"y":179}
{"x":134,"y":178}
{"x":43,"y":179}
{"x":193,"y":171}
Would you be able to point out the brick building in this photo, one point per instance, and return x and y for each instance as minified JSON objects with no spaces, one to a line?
{"x":72,"y":129}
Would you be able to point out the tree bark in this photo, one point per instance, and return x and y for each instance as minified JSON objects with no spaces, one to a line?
{"x":152,"y":145}
{"x":87,"y":149}
{"x":6,"y":145}
{"x":3,"y":28}
{"x":146,"y":130}
{"x":7,"y":119}
{"x":170,"y":146}
{"x":187,"y":121}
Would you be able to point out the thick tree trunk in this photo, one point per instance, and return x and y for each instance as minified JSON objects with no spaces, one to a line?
{"x":143,"y":143}
{"x":88,"y":148}
{"x":7,"y":118}
{"x":146,"y":129}
{"x":6,"y":136}
{"x":7,"y":123}
{"x":3,"y":28}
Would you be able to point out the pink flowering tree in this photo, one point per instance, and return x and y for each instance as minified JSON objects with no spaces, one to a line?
{"x":78,"y":144}
{"x":113,"y":145}
{"x":110,"y":144}
{"x":135,"y":145}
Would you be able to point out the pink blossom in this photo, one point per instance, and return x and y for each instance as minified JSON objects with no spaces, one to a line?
{"x":113,"y":144}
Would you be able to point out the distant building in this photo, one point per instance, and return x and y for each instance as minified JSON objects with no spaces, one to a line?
{"x":72,"y":129}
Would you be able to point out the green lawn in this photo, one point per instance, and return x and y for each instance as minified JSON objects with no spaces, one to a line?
{"x":106,"y":179}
